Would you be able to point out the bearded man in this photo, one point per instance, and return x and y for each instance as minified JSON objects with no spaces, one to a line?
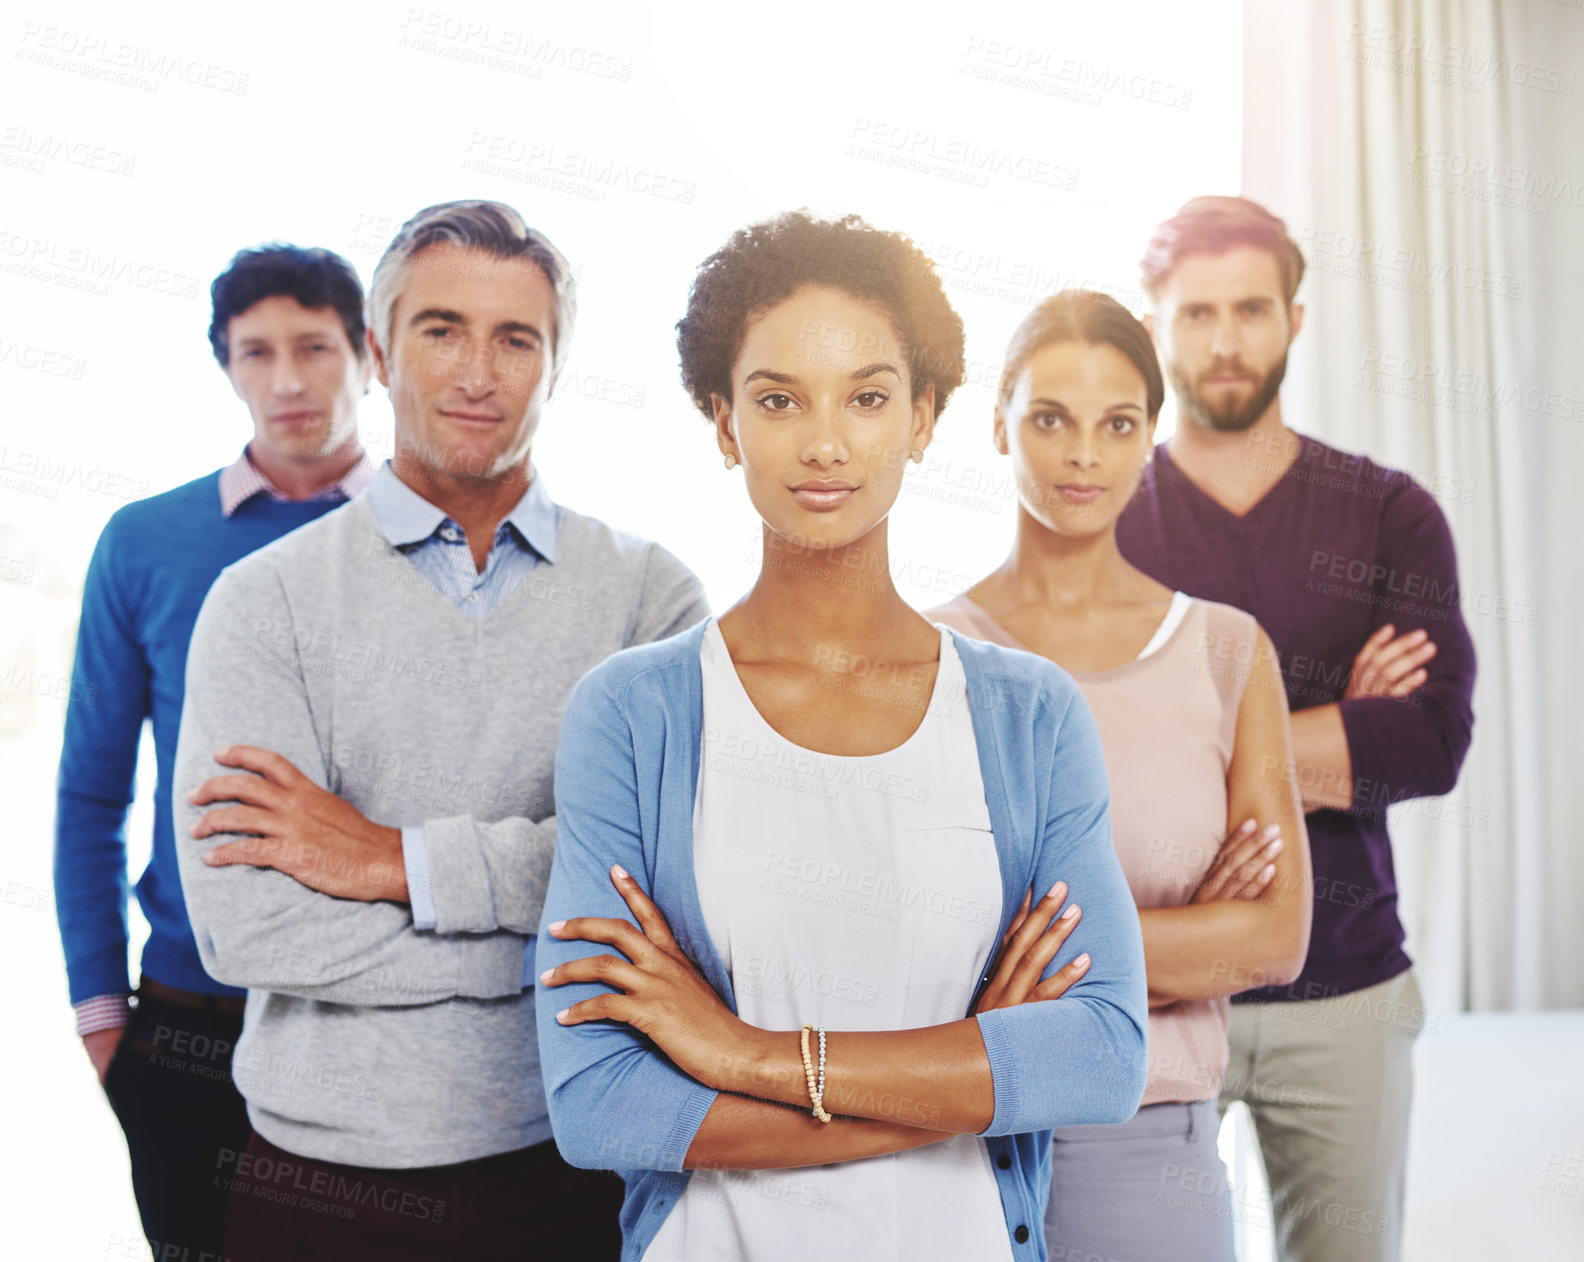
{"x":1351,"y":570}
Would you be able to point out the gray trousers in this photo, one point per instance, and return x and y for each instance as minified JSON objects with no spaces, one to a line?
{"x":1153,"y":1189}
{"x":1328,"y":1083}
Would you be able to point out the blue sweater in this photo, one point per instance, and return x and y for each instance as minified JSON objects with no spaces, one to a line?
{"x":626,"y":773}
{"x":153,"y":565}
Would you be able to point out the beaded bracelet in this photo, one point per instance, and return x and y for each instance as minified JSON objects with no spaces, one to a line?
{"x":821,"y":1030}
{"x":816,"y":1087}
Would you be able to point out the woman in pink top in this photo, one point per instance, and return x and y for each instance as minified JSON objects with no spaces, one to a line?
{"x":1206,"y":817}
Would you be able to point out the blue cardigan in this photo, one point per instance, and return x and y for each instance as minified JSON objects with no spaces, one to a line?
{"x":626,"y":773}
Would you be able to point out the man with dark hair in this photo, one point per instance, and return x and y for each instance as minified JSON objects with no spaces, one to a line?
{"x":288,"y":332}
{"x":1351,"y":570}
{"x":365,"y":780}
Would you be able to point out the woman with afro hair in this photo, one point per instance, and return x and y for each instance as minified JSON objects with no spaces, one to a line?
{"x":816,"y":980}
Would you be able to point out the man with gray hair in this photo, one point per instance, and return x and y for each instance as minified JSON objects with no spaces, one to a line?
{"x":365,"y":781}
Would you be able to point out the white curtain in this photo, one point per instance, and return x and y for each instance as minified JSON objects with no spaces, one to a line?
{"x":1430,"y":159}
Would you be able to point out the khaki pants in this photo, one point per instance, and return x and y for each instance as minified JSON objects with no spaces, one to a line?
{"x":1329,"y":1083}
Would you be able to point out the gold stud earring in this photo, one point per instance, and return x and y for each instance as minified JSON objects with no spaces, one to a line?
{"x":731,"y":461}
{"x":918,"y":455}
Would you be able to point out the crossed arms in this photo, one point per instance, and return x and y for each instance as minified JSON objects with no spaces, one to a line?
{"x":327,"y":918}
{"x":694,"y":1089}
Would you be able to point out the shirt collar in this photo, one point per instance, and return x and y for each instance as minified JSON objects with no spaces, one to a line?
{"x":241,"y":480}
{"x":406,"y":517}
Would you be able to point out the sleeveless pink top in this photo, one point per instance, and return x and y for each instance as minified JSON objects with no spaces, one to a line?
{"x":1167,"y":722}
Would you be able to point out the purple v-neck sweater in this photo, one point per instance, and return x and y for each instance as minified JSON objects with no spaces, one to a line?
{"x":1337,"y":548}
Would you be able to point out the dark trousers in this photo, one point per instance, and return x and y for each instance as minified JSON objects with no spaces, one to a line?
{"x":521,"y":1206}
{"x":170,"y":1086}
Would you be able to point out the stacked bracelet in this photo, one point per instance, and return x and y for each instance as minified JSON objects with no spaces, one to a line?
{"x":816,"y":1085}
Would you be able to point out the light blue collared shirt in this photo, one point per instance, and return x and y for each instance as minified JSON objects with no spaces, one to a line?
{"x":438,"y":548}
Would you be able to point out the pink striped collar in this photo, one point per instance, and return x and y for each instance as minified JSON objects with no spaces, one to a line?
{"x":242,"y":480}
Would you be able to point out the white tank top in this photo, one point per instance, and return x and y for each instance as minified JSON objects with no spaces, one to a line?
{"x":857,"y":893}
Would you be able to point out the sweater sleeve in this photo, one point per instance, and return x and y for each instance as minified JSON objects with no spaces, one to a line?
{"x":105,"y":709}
{"x":600,"y":1071}
{"x":1080,"y":1058}
{"x":257,"y":927}
{"x":1414,"y":746}
{"x":484,"y":876}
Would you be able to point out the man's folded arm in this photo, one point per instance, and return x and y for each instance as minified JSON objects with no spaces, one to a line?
{"x":257,"y":927}
{"x":1414,"y":746}
{"x":468,"y":876}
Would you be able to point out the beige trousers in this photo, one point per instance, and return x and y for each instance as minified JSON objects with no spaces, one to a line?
{"x":1329,"y":1083}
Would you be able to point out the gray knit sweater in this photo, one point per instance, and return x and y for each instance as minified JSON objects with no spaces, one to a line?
{"x":367,"y":1041}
